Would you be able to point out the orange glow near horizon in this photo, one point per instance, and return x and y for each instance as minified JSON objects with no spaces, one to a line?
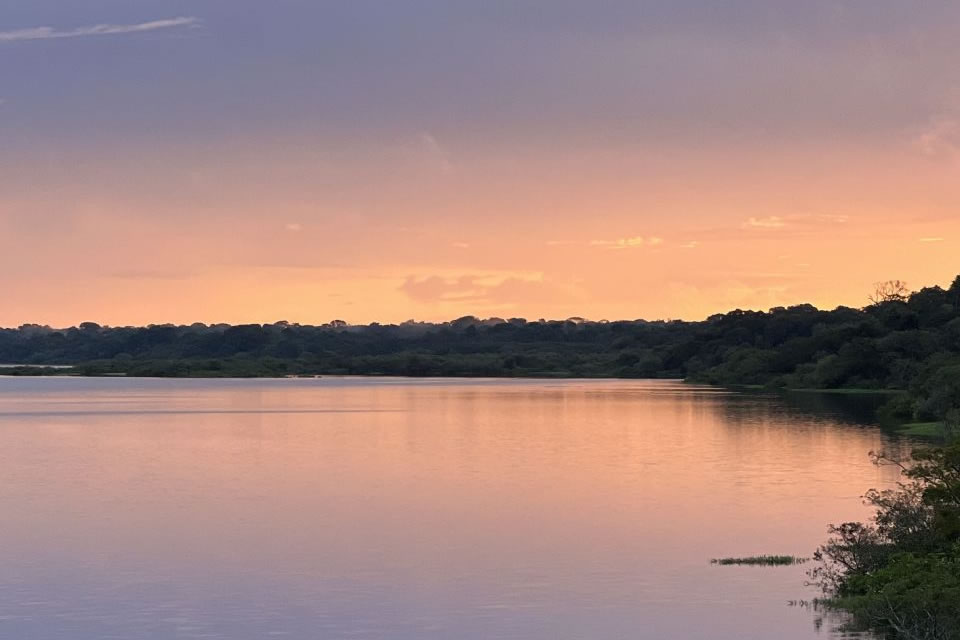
{"x":603,"y":234}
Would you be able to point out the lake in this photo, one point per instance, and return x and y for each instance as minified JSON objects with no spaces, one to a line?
{"x":415,"y":509}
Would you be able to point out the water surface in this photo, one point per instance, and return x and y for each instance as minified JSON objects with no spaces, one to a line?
{"x":401,"y":509}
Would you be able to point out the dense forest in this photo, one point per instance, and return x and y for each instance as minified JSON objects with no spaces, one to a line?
{"x":902,"y":340}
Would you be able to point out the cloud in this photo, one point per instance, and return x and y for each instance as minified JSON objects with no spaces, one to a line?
{"x":941,"y":138}
{"x":293,"y":226}
{"x":779,"y":222}
{"x":727,"y":293}
{"x":501,"y":289}
{"x":937,"y":239}
{"x":693,"y":244}
{"x":434,"y":153}
{"x":461,"y":245}
{"x":148,"y":273}
{"x":770,"y":222}
{"x":49,"y":33}
{"x":628,"y":243}
{"x":836,"y":219}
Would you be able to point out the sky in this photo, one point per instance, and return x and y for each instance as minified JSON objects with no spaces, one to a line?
{"x":304,"y":160}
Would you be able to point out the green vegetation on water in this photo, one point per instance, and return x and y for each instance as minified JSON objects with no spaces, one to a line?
{"x":761,"y":561}
{"x":923,"y":429}
{"x":852,"y":392}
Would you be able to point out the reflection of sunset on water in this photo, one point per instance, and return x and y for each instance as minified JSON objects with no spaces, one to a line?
{"x":418,"y":507}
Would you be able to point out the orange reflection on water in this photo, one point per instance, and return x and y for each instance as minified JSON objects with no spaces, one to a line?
{"x":481,"y":509}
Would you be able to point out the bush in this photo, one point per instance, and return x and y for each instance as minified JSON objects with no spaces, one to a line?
{"x":900,"y":573}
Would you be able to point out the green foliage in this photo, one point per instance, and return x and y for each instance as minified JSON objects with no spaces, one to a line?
{"x":939,"y":392}
{"x":761,"y":561}
{"x":898,"y":409}
{"x":900,"y":573}
{"x":911,"y":596}
{"x":922,"y":429}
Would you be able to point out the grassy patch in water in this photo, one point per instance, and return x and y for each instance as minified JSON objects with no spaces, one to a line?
{"x":850,"y":392}
{"x":761,"y":561}
{"x":923,"y":429}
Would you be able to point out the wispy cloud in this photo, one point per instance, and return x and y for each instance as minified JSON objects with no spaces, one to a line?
{"x":50,"y":33}
{"x":931,"y":239}
{"x":796,"y":220}
{"x":836,"y":219}
{"x":770,"y":222}
{"x":628,"y":243}
{"x":940,"y":138}
{"x":435,"y":153}
{"x":502,"y":288}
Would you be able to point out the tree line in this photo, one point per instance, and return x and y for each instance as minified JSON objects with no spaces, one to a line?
{"x":901,"y":340}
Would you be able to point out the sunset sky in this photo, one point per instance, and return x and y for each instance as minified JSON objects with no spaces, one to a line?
{"x":304,"y":160}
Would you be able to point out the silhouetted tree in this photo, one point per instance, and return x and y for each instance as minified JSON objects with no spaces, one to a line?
{"x":889,"y":291}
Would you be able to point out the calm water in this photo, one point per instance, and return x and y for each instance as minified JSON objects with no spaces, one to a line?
{"x":413,"y":509}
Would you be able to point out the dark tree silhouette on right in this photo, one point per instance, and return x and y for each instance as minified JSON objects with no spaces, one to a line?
{"x":890,"y":291}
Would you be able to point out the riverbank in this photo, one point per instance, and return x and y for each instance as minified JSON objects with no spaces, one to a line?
{"x":899,"y":574}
